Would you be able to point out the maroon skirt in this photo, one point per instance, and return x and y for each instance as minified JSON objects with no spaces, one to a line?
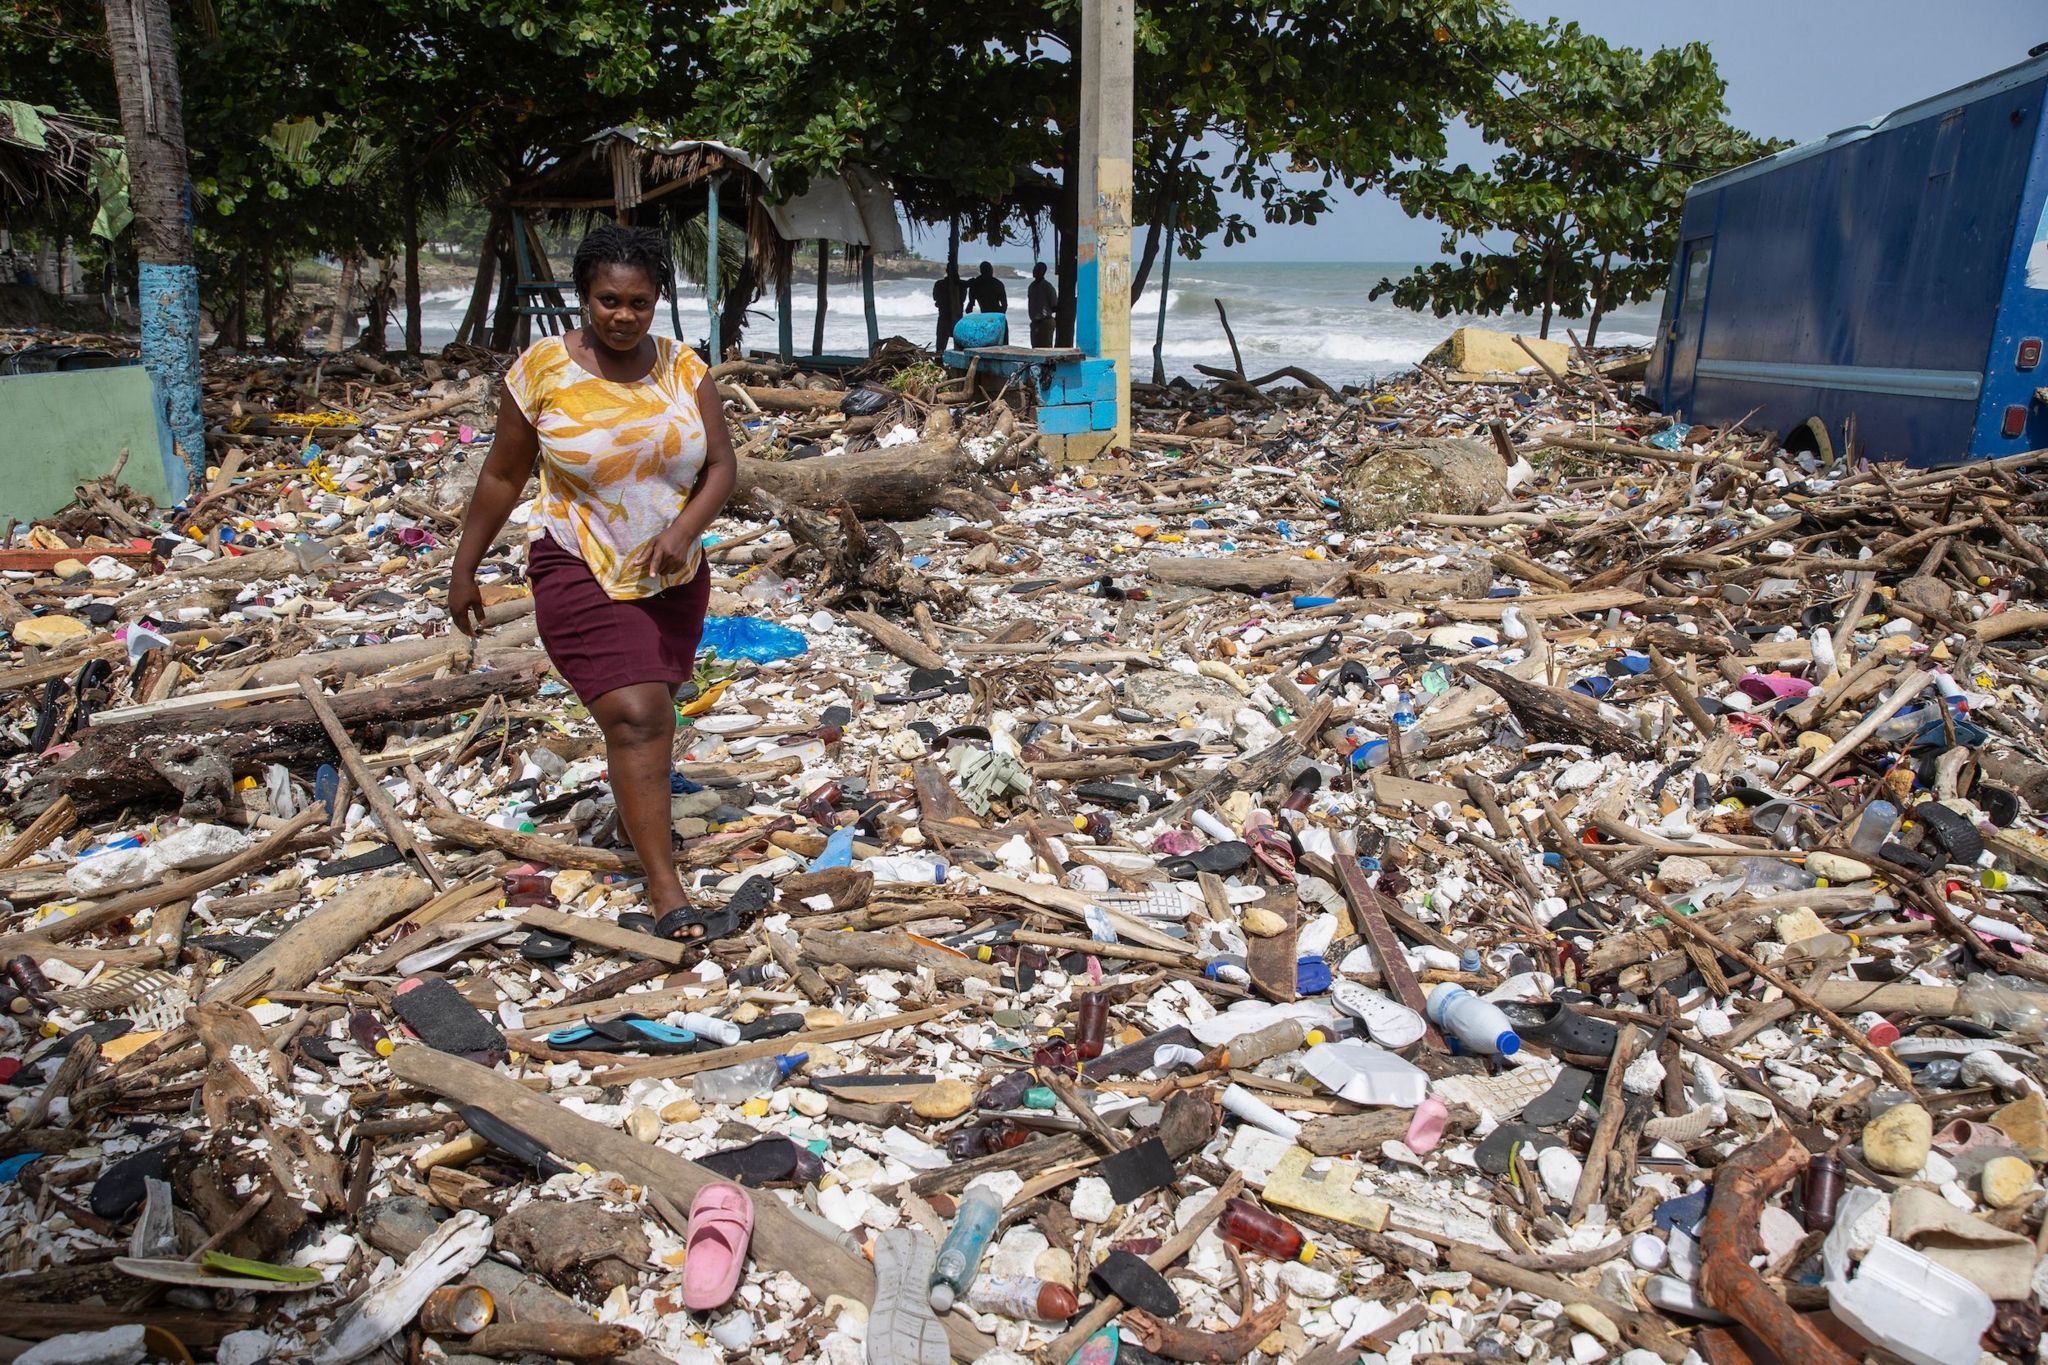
{"x":598,"y":643}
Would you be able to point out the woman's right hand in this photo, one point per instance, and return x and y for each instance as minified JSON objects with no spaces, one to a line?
{"x":466,"y":603}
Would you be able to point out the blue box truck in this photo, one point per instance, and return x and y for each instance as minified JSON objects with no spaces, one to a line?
{"x":1886,"y":285}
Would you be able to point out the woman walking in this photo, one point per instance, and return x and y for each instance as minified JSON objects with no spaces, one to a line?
{"x":635,"y":462}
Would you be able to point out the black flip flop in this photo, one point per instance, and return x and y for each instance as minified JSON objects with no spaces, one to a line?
{"x":540,"y":947}
{"x":771,"y":1161}
{"x":510,"y":1140}
{"x":446,"y":1022}
{"x":688,"y":924}
{"x":1492,"y":1155}
{"x":1556,"y":1105}
{"x":1222,"y":859}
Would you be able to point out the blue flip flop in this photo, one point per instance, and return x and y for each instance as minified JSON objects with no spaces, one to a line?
{"x":628,"y":1033}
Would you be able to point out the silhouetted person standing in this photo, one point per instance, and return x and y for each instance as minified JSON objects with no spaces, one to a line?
{"x":1043,"y":303}
{"x":950,"y":297}
{"x":985,"y":294}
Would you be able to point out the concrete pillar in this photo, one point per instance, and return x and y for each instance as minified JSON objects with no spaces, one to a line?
{"x":1102,"y":284}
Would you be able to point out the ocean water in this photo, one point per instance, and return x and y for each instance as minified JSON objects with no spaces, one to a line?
{"x":1312,"y":314}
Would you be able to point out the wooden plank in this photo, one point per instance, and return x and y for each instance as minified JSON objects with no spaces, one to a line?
{"x":1370,"y":909}
{"x":1270,"y":960}
{"x":1539,"y":606}
{"x":26,"y":560}
{"x":605,"y":934}
{"x":781,"y":1240}
{"x":197,"y":701}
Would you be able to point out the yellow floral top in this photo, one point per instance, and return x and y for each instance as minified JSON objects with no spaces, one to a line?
{"x":617,"y":461}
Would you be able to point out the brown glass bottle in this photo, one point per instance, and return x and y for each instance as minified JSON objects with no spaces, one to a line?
{"x":1094,"y":1023}
{"x":1246,"y":1225}
{"x":1818,"y":1192}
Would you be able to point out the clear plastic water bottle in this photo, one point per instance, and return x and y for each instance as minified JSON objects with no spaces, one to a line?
{"x":1879,"y":819}
{"x":1404,"y":711}
{"x":738,"y":1084}
{"x":960,"y":1254}
{"x":2022,"y":1013}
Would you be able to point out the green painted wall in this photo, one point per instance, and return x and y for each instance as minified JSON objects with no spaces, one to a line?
{"x":59,"y":430}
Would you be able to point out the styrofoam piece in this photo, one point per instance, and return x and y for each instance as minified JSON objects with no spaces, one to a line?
{"x":1365,"y":1074}
{"x":1922,"y":1312}
{"x":1676,"y":1296}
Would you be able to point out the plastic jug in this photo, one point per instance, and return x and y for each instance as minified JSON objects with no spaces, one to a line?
{"x":1471,"y":1023}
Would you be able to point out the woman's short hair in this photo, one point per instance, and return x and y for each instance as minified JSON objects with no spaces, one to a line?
{"x":643,"y":248}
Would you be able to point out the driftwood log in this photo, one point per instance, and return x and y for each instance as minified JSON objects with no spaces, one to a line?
{"x":1559,"y":717}
{"x":900,"y":483}
{"x":197,"y":756}
{"x":864,"y":564}
{"x":1272,"y":573}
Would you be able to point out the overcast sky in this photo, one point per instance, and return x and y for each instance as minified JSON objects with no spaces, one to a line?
{"x":1795,"y":70}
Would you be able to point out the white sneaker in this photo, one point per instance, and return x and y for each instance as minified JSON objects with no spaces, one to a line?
{"x":1390,"y":1023}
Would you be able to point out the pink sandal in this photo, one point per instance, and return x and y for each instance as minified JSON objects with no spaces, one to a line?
{"x":715,"y":1246}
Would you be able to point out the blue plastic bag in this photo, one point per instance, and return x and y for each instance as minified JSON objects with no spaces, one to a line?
{"x":749,"y":637}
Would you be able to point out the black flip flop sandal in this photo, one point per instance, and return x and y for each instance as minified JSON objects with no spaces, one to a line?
{"x":510,"y":1140}
{"x":1222,"y":859}
{"x":540,"y":947}
{"x":688,"y":924}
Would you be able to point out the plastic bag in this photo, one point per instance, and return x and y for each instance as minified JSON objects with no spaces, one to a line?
{"x":749,"y":637}
{"x":866,"y":402}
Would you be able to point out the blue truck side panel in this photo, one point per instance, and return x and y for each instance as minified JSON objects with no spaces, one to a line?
{"x":1875,"y":281}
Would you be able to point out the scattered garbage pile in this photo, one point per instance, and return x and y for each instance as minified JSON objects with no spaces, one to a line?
{"x":1173,"y":910}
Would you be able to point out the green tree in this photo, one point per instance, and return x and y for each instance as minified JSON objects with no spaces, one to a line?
{"x":1577,"y":214}
{"x":972,"y":107}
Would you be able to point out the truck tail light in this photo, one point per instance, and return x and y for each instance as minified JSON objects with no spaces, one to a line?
{"x":2015,"y":422}
{"x":2029,"y":354}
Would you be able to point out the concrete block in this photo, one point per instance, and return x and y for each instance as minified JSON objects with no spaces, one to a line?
{"x":1102,"y":415}
{"x":1065,"y":419}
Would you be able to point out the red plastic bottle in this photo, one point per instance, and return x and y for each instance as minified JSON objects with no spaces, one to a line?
{"x":1057,"y":1051}
{"x":1095,"y":825}
{"x":1094,"y":1022}
{"x":1247,"y":1226}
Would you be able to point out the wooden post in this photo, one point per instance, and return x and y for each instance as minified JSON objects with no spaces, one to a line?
{"x":1165,"y":298}
{"x":785,"y":327}
{"x":867,"y":298}
{"x":818,"y":322}
{"x":712,"y":280}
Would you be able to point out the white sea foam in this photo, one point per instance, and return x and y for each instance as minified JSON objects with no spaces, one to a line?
{"x":1314,"y":315}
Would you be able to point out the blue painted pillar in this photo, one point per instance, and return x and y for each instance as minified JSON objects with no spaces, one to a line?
{"x":168,"y":299}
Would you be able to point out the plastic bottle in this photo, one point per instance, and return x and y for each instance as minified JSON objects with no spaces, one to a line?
{"x":926,"y":869}
{"x":1023,"y":1298}
{"x":1250,"y":1228}
{"x":2021,"y":1013}
{"x":1819,"y":1190}
{"x":1095,"y":825}
{"x":735,"y":1084}
{"x":960,"y":1253}
{"x":723,"y":1032}
{"x":1094,"y":1023}
{"x":1302,"y":790}
{"x":1404,"y":711}
{"x":527,"y":888}
{"x":997,"y":1135}
{"x":1876,"y":825}
{"x":28,"y":978}
{"x":1991,"y":879}
{"x":368,"y":1031}
{"x":1471,"y":1023}
{"x":1249,"y":1049}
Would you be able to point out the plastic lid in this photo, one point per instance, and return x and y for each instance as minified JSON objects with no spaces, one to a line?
{"x":1507,"y":1044}
{"x":942,"y":1297}
{"x":789,"y":1062}
{"x":1307,"y":1252}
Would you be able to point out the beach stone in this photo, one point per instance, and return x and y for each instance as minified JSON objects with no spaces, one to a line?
{"x":644,"y":1124}
{"x":48,"y":630}
{"x":1054,"y":1265}
{"x":823,"y":1018}
{"x":1799,"y":924}
{"x":681,"y":1111}
{"x":1898,"y":1140}
{"x":1263,"y":923}
{"x":945,"y":1100}
{"x":2025,"y":1121}
{"x":810,"y":1103}
{"x":1560,"y":1171}
{"x":1837,"y":869}
{"x":1092,"y":1201}
{"x":2005,"y":1181}
{"x":1587,"y":1318}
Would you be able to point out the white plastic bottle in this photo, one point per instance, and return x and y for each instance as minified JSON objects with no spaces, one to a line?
{"x":1474,"y":1024}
